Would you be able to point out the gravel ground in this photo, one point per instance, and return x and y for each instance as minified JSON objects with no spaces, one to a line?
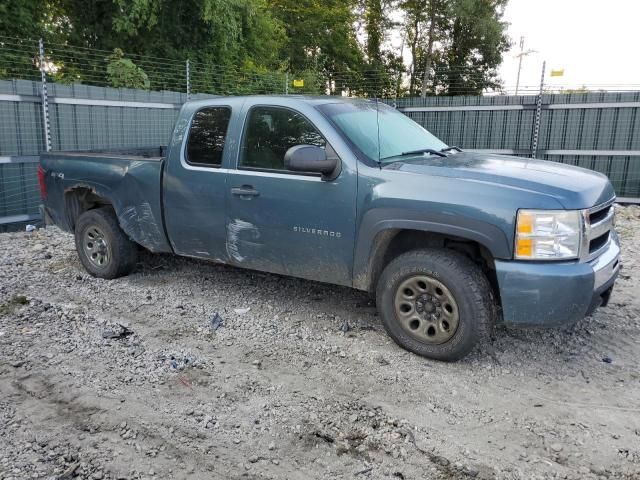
{"x":186,"y":369}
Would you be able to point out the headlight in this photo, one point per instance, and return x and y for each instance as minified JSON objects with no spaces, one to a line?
{"x":548,"y":234}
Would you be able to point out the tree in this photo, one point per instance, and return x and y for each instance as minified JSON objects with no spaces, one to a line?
{"x":320,"y":37}
{"x":425,"y":29}
{"x":437,"y":13}
{"x":21,"y":18}
{"x":243,"y":46}
{"x":455,"y":45}
{"x":160,"y":35}
{"x":22,"y":22}
{"x":375,"y":24}
{"x":123,"y":73}
{"x":382,"y":67}
{"x":415,"y":15}
{"x":477,"y":40}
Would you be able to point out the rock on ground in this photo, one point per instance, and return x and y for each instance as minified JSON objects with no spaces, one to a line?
{"x":138,"y":378}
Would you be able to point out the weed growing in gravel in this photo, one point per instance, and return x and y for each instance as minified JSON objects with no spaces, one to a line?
{"x":9,"y":307}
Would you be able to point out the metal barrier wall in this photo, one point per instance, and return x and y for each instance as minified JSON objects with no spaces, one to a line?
{"x":599,"y":131}
{"x":80,"y":117}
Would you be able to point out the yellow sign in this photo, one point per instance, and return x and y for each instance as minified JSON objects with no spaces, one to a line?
{"x":557,"y":73}
{"x":298,"y":83}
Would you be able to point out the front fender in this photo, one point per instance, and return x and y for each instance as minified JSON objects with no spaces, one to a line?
{"x":378,"y":228}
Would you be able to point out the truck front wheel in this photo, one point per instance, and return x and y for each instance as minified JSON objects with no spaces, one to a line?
{"x":103,"y":248}
{"x":436,"y":303}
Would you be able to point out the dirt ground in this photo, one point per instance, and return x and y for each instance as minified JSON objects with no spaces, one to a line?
{"x":139,"y":378}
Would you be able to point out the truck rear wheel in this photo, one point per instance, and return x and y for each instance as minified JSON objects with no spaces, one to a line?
{"x":103,"y":248}
{"x":436,"y":303}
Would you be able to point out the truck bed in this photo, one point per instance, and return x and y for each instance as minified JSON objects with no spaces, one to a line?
{"x":144,"y":153}
{"x":129,"y":178}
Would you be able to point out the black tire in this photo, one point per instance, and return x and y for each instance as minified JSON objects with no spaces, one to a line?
{"x":467,"y":286}
{"x":118,"y":252}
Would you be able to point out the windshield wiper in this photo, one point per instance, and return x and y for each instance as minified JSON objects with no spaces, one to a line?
{"x":424,"y":150}
{"x":416,"y":152}
{"x":440,"y":153}
{"x":448,"y":149}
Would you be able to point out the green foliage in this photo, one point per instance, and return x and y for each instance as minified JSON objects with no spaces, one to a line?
{"x":478,"y":40}
{"x":20,"y":19}
{"x":320,"y":37}
{"x":456,"y":45}
{"x":259,"y":46}
{"x":375,"y":26}
{"x":225,"y":32}
{"x":383,"y":68}
{"x":67,"y":73}
{"x":123,"y":73}
{"x":26,"y":18}
{"x":313,"y":83}
{"x":219,"y":37}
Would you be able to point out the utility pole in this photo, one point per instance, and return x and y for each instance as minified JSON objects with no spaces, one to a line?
{"x":519,"y":56}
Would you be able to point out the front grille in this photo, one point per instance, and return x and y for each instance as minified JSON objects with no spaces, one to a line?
{"x":598,"y":242}
{"x":599,"y":215}
{"x":598,"y":226}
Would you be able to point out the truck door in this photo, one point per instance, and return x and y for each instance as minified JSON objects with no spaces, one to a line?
{"x":195,"y":179}
{"x":282,"y":221}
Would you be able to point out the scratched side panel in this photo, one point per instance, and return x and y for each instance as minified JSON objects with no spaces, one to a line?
{"x":298,"y":225}
{"x":132,"y":186}
{"x":243,"y":239}
{"x":140,"y":215}
{"x":195,"y":196}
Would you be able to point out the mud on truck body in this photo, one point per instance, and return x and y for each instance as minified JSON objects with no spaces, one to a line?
{"x":354,"y":193}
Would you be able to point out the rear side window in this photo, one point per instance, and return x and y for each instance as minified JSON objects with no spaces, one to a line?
{"x":270,"y":132}
{"x":207,"y":135}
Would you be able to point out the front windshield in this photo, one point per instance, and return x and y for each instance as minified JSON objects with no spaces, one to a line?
{"x":398,"y":133}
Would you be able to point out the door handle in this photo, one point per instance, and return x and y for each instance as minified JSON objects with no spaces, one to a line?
{"x":245,"y":191}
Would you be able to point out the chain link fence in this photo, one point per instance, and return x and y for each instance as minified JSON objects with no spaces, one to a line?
{"x":59,"y":97}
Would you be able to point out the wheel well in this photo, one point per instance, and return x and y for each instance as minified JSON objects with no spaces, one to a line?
{"x":80,"y":199}
{"x":392,"y":243}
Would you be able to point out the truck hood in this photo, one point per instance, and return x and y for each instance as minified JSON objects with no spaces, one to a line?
{"x":573,"y":187}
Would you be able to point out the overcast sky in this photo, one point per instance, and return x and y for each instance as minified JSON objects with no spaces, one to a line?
{"x":595,"y":41}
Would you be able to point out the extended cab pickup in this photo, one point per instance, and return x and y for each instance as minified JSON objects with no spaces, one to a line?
{"x":354,"y":193}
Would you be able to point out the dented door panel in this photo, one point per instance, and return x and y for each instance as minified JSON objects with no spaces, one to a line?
{"x":294,"y":224}
{"x":195,"y":196}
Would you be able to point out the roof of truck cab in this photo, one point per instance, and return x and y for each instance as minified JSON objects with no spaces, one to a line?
{"x":310,"y":99}
{"x":322,"y":99}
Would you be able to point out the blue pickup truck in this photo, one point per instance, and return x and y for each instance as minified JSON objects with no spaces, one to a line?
{"x":354,"y":193}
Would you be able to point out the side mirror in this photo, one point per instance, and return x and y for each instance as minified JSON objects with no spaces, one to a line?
{"x":309,"y":158}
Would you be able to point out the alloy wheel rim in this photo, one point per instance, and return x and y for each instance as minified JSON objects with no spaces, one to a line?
{"x":426,"y":309}
{"x":96,"y":247}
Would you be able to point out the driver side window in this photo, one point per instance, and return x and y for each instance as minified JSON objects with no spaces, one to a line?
{"x":270,"y":132}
